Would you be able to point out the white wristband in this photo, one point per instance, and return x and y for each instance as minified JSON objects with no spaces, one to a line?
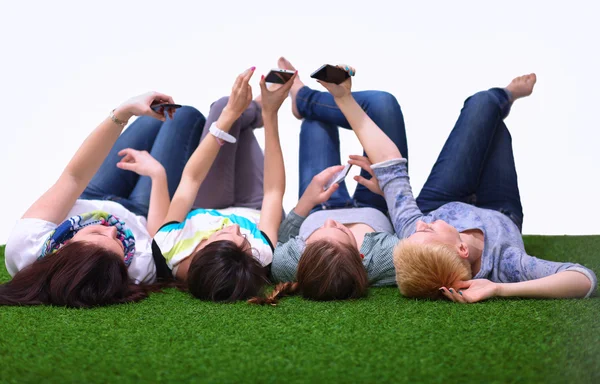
{"x":219,"y":134}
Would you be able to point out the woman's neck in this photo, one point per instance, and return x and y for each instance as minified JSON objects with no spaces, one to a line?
{"x":474,"y":239}
{"x":359,"y":230}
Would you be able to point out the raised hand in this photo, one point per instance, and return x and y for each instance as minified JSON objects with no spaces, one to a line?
{"x":364,"y":162}
{"x":471,"y":291}
{"x":140,"y":162}
{"x":241,"y":93}
{"x":272,"y":100}
{"x":140,"y":106}
{"x":343,"y":89}
{"x":315,"y":194}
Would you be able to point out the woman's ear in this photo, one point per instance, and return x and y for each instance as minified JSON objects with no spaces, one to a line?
{"x":463,"y":250}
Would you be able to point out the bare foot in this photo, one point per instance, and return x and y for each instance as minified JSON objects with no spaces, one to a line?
{"x":283,"y":63}
{"x":521,"y":86}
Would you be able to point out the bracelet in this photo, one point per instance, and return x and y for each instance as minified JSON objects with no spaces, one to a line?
{"x":115,"y":120}
{"x":219,"y":134}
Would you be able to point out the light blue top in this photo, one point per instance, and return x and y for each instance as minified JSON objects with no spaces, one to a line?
{"x":504,"y":259}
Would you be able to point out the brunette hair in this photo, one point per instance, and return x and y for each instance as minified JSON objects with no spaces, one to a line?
{"x":421,"y":269}
{"x":326,"y":271}
{"x":222,"y":271}
{"x":78,"y":275}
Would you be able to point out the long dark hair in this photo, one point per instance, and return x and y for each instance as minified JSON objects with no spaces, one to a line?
{"x":78,"y":275}
{"x":326,"y":271}
{"x":222,"y":271}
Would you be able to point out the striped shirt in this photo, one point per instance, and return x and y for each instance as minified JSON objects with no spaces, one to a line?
{"x":176,"y":241}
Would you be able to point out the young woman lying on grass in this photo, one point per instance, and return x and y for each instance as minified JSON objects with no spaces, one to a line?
{"x":466,"y":222}
{"x":333,"y":246}
{"x":220,"y":251}
{"x":87,"y":240}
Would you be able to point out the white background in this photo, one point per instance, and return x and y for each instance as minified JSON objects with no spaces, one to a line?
{"x":65,"y":65}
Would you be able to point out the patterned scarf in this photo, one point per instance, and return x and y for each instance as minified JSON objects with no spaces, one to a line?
{"x":71,"y":226}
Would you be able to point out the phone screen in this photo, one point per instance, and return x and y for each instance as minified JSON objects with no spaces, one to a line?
{"x":330,"y":74}
{"x":278,"y":76}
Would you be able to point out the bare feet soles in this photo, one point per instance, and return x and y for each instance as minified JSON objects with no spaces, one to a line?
{"x":283,"y":63}
{"x":522,"y":86}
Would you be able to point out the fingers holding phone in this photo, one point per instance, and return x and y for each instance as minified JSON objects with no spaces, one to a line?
{"x":141,"y":106}
{"x":336,"y":79}
{"x":165,"y":108}
{"x":279,"y":76}
{"x":272,"y":99}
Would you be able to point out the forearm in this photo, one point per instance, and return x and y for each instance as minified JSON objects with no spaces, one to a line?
{"x":92,"y":152}
{"x":403,"y":209}
{"x":303,"y":207}
{"x":56,"y":202}
{"x":196,"y":169}
{"x":274,"y":170}
{"x":159,"y":202}
{"x":290,"y":227}
{"x":205,"y":154}
{"x":563,"y":285}
{"x":375,"y":142}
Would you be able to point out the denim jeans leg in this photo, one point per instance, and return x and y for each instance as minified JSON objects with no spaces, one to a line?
{"x":381,"y":107}
{"x":498,"y":186}
{"x":112,"y":181}
{"x":177,"y":140}
{"x":320,"y":149}
{"x":457,"y":173}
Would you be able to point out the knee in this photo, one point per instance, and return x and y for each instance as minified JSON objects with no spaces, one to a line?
{"x":219,"y":105}
{"x":189,"y":116}
{"x":383,"y":102}
{"x":483,"y":98}
{"x":187,"y":112}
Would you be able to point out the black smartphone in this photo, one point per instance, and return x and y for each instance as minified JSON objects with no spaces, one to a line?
{"x":279,"y":76}
{"x":330,"y":74}
{"x":156,"y":107}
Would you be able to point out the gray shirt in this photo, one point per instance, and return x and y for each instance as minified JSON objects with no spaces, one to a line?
{"x":504,"y":259}
{"x":377,"y":247}
{"x":370,"y":216}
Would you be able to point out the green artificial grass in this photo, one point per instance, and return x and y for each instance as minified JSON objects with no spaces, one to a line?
{"x":386,"y":338}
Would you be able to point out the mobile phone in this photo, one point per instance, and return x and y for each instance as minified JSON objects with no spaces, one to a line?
{"x":279,"y":76}
{"x":156,"y":107}
{"x":330,"y":74}
{"x":338,"y":177}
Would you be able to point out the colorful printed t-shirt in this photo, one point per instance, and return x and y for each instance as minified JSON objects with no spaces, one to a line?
{"x":176,"y":241}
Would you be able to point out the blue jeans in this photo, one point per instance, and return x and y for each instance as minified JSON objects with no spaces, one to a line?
{"x":320,"y":142}
{"x":476,"y":165}
{"x":171,"y":143}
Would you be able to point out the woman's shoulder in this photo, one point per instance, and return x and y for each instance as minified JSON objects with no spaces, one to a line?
{"x":25,"y":242}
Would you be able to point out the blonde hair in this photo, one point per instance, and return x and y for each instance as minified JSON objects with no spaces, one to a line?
{"x":422,"y":269}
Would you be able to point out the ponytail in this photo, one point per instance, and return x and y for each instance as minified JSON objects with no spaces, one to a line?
{"x":280,"y":290}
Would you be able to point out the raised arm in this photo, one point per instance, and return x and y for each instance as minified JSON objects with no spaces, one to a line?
{"x":56,"y":202}
{"x":199,"y":164}
{"x":274,"y":181}
{"x":142,"y":163}
{"x":375,"y":142}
